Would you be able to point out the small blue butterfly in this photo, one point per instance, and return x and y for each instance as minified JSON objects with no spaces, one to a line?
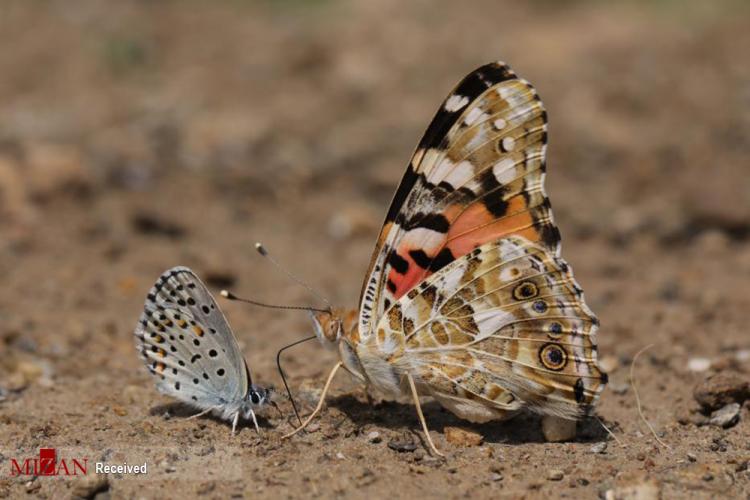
{"x":187,"y":344}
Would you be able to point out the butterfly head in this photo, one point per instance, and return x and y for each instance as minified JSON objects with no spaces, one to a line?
{"x":328,"y":326}
{"x":257,"y":397}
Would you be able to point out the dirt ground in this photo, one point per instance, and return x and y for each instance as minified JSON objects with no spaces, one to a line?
{"x":135,"y":136}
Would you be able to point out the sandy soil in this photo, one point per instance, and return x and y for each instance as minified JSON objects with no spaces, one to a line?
{"x":135,"y":136}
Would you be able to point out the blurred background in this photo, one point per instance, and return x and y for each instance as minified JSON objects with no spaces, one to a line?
{"x":139,"y":135}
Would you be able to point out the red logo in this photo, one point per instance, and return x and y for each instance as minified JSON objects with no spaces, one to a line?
{"x":48,"y":465}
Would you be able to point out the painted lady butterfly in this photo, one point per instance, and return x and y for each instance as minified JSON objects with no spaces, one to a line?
{"x":467,"y":298}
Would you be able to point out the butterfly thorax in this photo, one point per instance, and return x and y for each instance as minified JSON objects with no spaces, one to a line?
{"x":363,"y":356}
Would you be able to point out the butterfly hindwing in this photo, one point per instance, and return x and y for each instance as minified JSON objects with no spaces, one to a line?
{"x":476,"y":176}
{"x":187,"y":344}
{"x":500,"y":328}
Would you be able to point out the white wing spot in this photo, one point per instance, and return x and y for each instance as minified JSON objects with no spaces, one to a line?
{"x":460,"y":174}
{"x":473,"y":116}
{"x":500,"y":123}
{"x":509,"y":143}
{"x":456,"y":102}
{"x":504,"y":171}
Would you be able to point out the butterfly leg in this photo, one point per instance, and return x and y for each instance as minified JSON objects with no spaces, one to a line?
{"x":201,"y":413}
{"x":255,"y":421}
{"x":320,"y":403}
{"x":421,"y":416}
{"x":234,"y":423}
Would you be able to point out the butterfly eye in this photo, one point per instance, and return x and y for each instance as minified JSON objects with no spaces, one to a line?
{"x":255,"y":398}
{"x":525,"y":290}
{"x":553,"y":357}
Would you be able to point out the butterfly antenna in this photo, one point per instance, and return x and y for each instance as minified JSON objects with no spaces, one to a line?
{"x":262,"y":250}
{"x":283,"y":377}
{"x":230,"y":296}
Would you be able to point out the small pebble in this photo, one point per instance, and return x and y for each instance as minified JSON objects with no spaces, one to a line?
{"x":33,"y":486}
{"x":609,"y":364}
{"x":699,"y":364}
{"x":722,"y":389}
{"x":402,"y":445}
{"x":599,"y":447}
{"x":555,"y":475}
{"x":691,"y":457}
{"x":496,"y":476}
{"x":461,"y":437}
{"x":556,"y":429}
{"x":119,"y":411}
{"x":619,"y":389}
{"x":726,"y":417}
{"x":374,"y":437}
{"x":642,"y":491}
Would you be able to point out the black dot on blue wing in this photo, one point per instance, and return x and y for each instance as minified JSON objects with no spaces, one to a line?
{"x":196,"y":342}
{"x":182,"y":337}
{"x":193,"y":398}
{"x":177,"y":385}
{"x":154,"y":348}
{"x":220,"y":372}
{"x":191,"y":285}
{"x":195,"y":358}
{"x":195,"y":380}
{"x":181,"y":303}
{"x":212,"y":330}
{"x":213,"y":353}
{"x":205,"y":309}
{"x":172,"y":348}
{"x":540,"y":306}
{"x":180,"y":362}
{"x":174,"y":371}
{"x":191,"y":301}
{"x":205,"y":375}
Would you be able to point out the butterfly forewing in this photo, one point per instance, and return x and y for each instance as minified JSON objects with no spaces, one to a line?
{"x":476,"y":176}
{"x":187,"y":344}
